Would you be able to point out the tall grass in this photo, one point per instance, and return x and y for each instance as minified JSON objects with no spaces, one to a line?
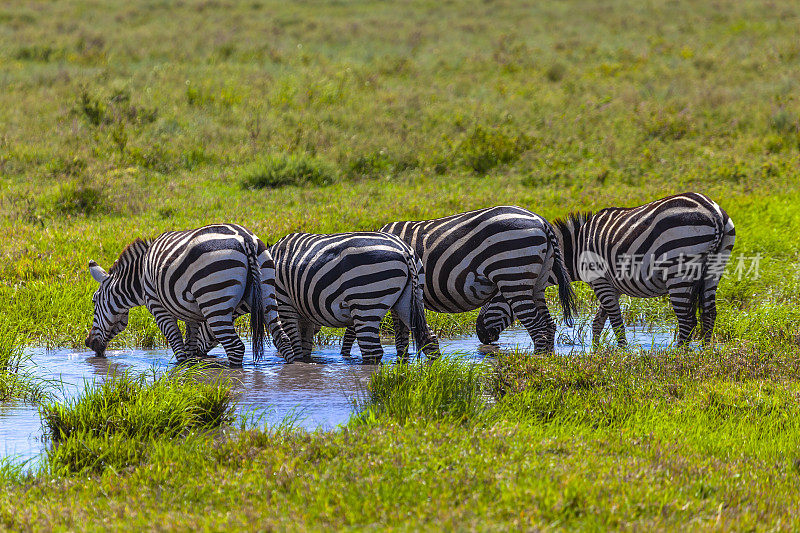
{"x":114,"y":422}
{"x":16,"y":380}
{"x":712,"y":397}
{"x":446,"y":389}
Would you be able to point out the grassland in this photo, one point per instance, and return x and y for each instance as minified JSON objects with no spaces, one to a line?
{"x":125,"y":119}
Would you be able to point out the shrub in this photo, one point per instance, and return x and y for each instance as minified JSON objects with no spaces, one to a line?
{"x":279,"y":170}
{"x":36,"y":52}
{"x":378,"y":164}
{"x":556,"y":72}
{"x":81,"y":198}
{"x":68,"y":167}
{"x":91,"y":108}
{"x":668,"y":126}
{"x":483,"y":149}
{"x":782,"y":121}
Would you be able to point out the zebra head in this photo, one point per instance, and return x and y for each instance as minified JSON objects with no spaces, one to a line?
{"x":493,"y":318}
{"x":119,"y":290}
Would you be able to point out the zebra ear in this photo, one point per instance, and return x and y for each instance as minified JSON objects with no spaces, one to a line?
{"x":97,"y":272}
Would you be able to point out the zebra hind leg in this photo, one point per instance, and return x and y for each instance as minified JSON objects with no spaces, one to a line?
{"x":224,"y":331}
{"x":367,"y":331}
{"x":307,"y":332}
{"x":708,"y":309}
{"x":550,"y":340}
{"x":191,"y":341}
{"x":401,"y":337}
{"x":534,"y":320}
{"x":680,"y":296}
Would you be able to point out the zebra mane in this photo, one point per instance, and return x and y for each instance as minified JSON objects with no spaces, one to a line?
{"x":131,"y":253}
{"x":574,"y":220}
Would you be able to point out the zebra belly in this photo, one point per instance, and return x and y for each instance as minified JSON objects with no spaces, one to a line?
{"x":472,"y":294}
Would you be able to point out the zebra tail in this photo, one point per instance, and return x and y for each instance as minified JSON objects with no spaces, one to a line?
{"x":418,"y":324}
{"x":258,"y":319}
{"x":698,"y":294}
{"x":565,"y":293}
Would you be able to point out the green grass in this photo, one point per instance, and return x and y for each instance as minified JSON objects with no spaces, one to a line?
{"x":122,"y":120}
{"x":657,"y":440}
{"x":445,"y":389}
{"x":112,"y":135}
{"x":17,"y":381}
{"x":115,"y":422}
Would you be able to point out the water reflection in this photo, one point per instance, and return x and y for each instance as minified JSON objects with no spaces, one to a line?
{"x":319,"y":393}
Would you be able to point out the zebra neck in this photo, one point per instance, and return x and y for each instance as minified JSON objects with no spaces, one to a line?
{"x":128,"y":273}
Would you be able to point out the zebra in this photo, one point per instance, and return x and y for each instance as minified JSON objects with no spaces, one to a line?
{"x":469,"y":258}
{"x":199,"y":276}
{"x":347,"y":279}
{"x":676,"y":246}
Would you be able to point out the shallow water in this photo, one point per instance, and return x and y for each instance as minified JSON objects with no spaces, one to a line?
{"x":319,"y":395}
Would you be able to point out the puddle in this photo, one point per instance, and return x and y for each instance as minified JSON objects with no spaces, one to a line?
{"x":319,"y":394}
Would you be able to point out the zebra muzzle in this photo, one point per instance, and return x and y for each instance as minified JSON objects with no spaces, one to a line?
{"x":97,"y":346}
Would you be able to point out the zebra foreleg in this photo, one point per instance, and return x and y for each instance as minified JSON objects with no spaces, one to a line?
{"x":347,"y":341}
{"x":169,"y":327}
{"x":291,"y":323}
{"x":609,"y":301}
{"x":367,"y":331}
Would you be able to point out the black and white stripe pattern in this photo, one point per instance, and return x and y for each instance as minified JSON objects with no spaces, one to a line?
{"x":470,"y":257}
{"x":347,"y":279}
{"x":350,"y":279}
{"x":677,"y":246}
{"x":198,"y":276}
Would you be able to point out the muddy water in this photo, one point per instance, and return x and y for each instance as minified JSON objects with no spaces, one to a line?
{"x":316,"y":395}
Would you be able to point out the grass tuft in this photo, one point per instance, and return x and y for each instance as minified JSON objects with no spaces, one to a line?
{"x":81,"y":197}
{"x":485,"y":148}
{"x":279,"y":170}
{"x":113,"y":422}
{"x":16,"y":382}
{"x":447,"y":389}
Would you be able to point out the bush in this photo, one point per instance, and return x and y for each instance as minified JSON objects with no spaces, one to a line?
{"x":81,"y":198}
{"x":379,"y":164}
{"x":288,"y":169}
{"x":483,"y":149}
{"x":556,"y":72}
